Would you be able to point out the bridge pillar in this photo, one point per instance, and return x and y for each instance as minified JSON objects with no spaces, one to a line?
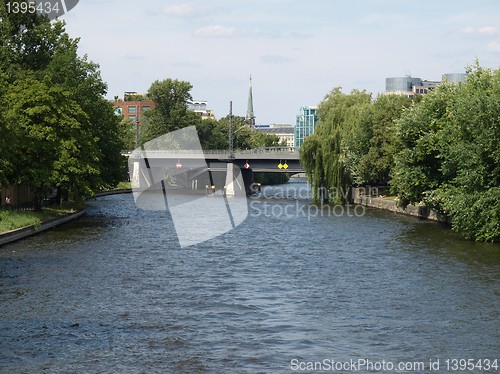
{"x":234,"y":186}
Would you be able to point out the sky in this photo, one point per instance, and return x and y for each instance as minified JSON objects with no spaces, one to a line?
{"x":295,"y":51}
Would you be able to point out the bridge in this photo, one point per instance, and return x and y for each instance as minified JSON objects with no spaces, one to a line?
{"x":260,"y":160}
{"x":189,"y":166}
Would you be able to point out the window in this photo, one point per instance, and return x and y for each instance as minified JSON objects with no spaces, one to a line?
{"x":118,"y":111}
{"x":146,"y":108}
{"x":131,"y":109}
{"x":132,"y":118}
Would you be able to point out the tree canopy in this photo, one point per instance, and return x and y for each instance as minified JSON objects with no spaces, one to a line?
{"x":442,"y":148}
{"x":451,"y":153}
{"x":61,"y":130}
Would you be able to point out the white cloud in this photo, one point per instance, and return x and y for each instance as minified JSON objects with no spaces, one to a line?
{"x":188,"y":10}
{"x":488,"y":30}
{"x":467,"y":30}
{"x":494,"y":46}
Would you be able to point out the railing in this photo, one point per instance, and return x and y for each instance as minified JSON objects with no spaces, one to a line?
{"x":265,"y":150}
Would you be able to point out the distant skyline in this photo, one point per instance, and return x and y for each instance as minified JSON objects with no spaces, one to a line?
{"x":295,"y":51}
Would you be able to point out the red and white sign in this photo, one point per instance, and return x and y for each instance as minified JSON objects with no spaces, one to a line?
{"x":247,"y":165}
{"x":179,"y":165}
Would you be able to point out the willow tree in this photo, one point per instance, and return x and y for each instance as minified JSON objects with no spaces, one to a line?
{"x":323,"y":155}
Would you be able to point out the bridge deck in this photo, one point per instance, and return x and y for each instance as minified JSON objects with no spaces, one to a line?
{"x":273,"y":159}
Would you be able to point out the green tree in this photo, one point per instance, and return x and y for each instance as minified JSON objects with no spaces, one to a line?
{"x":26,"y":41}
{"x":31,"y":46}
{"x":6,"y":138}
{"x":82,"y":78}
{"x":52,"y":139}
{"x":451,"y":153}
{"x":212,"y":134}
{"x":324,"y":154}
{"x":170,"y":113}
{"x":418,"y":165}
{"x":377,"y":141}
{"x":262,"y":139}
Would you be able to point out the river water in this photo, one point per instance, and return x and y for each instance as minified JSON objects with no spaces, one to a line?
{"x":115,"y":293}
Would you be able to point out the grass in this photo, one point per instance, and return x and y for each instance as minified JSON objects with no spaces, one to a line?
{"x":123,"y":186}
{"x":12,"y":220}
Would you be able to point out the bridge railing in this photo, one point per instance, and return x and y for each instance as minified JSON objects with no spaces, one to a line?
{"x":265,"y":150}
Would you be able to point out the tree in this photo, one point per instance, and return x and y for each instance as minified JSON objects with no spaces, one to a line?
{"x":212,"y":135}
{"x":170,"y":113}
{"x":82,"y":78}
{"x":31,"y":46}
{"x":418,"y":165}
{"x":26,"y":41}
{"x":451,"y":153}
{"x":378,"y":143}
{"x":324,"y":154}
{"x":470,"y":157}
{"x":262,"y":139}
{"x":6,"y":138}
{"x":53,"y":144}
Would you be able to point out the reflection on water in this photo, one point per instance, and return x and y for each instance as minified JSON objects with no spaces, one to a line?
{"x":114,"y":292}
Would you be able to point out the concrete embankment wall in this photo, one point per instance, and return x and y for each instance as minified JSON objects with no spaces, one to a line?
{"x":113,"y":192}
{"x":13,"y":235}
{"x":362,"y":196}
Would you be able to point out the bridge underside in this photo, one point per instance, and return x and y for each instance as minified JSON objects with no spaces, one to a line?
{"x":186,"y":174}
{"x":196,"y":171}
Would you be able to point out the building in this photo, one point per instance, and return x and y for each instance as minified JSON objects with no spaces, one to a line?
{"x":305,"y":124}
{"x":284,"y":132}
{"x":409,"y":86}
{"x":133,"y":110}
{"x":456,"y":77}
{"x":200,"y":108}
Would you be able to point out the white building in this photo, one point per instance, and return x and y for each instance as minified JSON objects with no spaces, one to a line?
{"x":284,"y":132}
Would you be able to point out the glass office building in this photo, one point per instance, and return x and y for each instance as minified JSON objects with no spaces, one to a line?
{"x":456,"y":77}
{"x":305,"y":123}
{"x":401,"y":84}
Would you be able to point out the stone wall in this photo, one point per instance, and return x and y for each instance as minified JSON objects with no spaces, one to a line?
{"x":363,"y":196}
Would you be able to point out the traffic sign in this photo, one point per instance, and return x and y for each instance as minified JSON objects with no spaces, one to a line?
{"x":179,"y":165}
{"x":247,"y":165}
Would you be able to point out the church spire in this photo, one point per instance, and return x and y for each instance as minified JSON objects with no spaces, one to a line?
{"x":250,"y":115}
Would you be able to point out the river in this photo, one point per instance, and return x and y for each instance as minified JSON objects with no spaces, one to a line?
{"x":113,"y":292}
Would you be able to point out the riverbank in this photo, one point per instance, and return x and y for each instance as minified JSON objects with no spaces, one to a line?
{"x":420,"y":211}
{"x":113,"y":192}
{"x":24,"y":232}
{"x":55,"y":218}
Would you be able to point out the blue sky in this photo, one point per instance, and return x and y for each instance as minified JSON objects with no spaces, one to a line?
{"x":296,"y":51}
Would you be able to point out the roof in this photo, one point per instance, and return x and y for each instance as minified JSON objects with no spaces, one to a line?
{"x":277,"y":130}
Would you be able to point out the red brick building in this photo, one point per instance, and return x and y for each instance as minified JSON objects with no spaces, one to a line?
{"x":133,"y":109}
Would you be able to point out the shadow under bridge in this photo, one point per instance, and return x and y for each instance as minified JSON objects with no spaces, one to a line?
{"x":198,"y":169}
